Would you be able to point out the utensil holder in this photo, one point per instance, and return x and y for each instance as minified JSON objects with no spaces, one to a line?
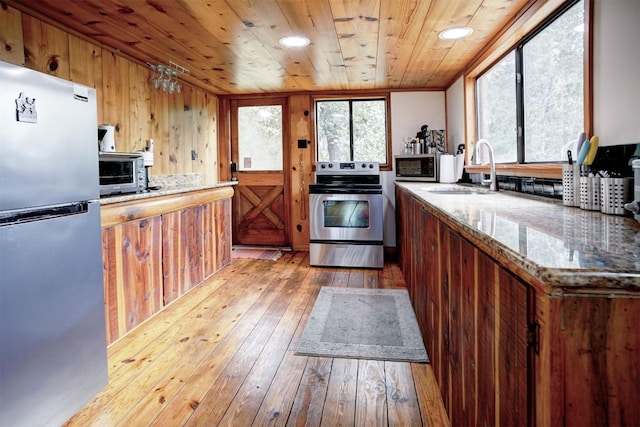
{"x":615,"y":192}
{"x":571,"y":185}
{"x":590,"y":193}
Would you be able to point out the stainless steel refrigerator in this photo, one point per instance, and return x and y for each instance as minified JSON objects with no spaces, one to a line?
{"x":52,"y":325}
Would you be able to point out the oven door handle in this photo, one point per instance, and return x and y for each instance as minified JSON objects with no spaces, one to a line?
{"x":344,"y":191}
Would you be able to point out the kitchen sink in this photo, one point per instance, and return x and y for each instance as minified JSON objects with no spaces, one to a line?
{"x":458,"y":191}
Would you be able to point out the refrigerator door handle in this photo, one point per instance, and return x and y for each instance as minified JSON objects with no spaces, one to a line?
{"x":38,"y":214}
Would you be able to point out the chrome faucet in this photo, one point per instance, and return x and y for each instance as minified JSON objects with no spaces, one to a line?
{"x":492,"y":182}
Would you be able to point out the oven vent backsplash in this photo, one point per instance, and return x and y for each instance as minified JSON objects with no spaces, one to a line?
{"x":175,"y":181}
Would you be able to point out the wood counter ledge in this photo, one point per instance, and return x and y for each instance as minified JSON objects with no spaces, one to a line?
{"x":119,"y":209}
{"x":559,"y":248}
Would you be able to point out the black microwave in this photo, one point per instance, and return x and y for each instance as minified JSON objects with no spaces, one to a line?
{"x":416,"y":167}
{"x":121,"y":173}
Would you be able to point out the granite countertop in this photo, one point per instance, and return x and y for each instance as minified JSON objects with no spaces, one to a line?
{"x":560,"y":246}
{"x":165,"y":191}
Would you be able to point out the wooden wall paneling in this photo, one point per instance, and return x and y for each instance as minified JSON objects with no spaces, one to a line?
{"x":603,"y":365}
{"x":116,"y":97}
{"x":548,"y":365}
{"x":441,"y":242}
{"x":192,"y":243}
{"x":223,"y":232}
{"x":209,"y":243}
{"x":110,"y":280}
{"x":85,"y":67}
{"x":200,"y":113}
{"x":455,"y":329}
{"x":11,"y":35}
{"x":430,"y":279}
{"x":183,"y":251}
{"x":207,"y":135}
{"x":512,"y":351}
{"x":486,"y":363}
{"x":172,"y":262}
{"x":160,"y":131}
{"x":187,"y":148}
{"x":468,"y":354}
{"x":142,"y":269}
{"x":134,"y":253}
{"x":224,"y":139}
{"x":177,"y":162}
{"x":46,"y":48}
{"x":300,"y":170}
{"x":139,"y":107}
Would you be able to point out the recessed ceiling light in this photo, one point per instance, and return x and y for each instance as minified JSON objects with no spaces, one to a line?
{"x":294,"y":41}
{"x":455,"y":33}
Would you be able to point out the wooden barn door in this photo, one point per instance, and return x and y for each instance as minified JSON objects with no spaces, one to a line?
{"x":259,"y":130}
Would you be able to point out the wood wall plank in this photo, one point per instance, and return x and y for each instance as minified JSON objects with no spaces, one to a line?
{"x":46,"y":48}
{"x":208,"y":141}
{"x":85,"y":61}
{"x":139,"y":108}
{"x":11,"y":37}
{"x":116,"y":98}
{"x":300,"y":170}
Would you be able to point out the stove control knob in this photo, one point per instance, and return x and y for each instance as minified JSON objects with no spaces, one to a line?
{"x":371,"y":166}
{"x":330,"y":165}
{"x":322,"y":166}
{"x":364,"y":165}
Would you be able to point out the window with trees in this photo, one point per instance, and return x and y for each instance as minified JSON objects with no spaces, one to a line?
{"x":352,"y":130}
{"x":530,"y":104}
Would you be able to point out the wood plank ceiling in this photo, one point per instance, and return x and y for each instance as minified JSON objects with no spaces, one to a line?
{"x":231,"y":46}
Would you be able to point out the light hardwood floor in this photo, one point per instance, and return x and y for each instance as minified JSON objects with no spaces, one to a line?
{"x":224,"y":355}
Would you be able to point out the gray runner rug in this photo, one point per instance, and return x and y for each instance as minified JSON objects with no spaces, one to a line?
{"x":365,"y":324}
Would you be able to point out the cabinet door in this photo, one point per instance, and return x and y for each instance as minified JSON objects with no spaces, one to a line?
{"x":183,"y":248}
{"x":132,"y":262}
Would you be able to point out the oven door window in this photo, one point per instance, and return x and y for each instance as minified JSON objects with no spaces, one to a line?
{"x":346,"y":213}
{"x":115,"y":173}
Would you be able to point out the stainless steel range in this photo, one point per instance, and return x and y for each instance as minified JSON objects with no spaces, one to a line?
{"x":345,"y":215}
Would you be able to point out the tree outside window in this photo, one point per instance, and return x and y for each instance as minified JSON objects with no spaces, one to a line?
{"x":548,"y":70}
{"x":351,"y":130}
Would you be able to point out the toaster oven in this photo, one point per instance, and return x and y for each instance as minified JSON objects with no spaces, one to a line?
{"x":121,"y":173}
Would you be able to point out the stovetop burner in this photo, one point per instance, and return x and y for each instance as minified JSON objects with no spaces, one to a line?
{"x":347,"y":168}
{"x":346,"y":174}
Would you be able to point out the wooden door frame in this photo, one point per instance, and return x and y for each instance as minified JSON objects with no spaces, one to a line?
{"x":234,"y":103}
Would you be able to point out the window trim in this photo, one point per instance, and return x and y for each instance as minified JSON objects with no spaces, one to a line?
{"x":527,"y":23}
{"x":387,"y":166}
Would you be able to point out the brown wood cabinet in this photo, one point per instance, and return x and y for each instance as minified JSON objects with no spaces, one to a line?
{"x":156,"y":254}
{"x":506,"y":351}
{"x":473,"y":316}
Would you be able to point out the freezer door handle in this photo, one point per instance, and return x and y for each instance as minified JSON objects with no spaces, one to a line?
{"x":37,"y":214}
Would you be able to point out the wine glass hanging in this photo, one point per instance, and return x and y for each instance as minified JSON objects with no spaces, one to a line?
{"x":165,"y":78}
